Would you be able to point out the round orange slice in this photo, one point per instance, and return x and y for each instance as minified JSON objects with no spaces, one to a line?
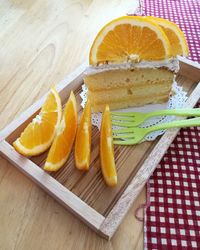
{"x":38,"y":135}
{"x":107,"y":150}
{"x":129,"y":38}
{"x":176,"y":37}
{"x":83,"y":139}
{"x":64,"y":139}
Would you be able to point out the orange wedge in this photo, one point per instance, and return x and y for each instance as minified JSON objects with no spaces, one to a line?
{"x":64,"y":139}
{"x":83,"y":139}
{"x":107,"y":150}
{"x":129,"y":38}
{"x":38,"y":135}
{"x":176,"y":37}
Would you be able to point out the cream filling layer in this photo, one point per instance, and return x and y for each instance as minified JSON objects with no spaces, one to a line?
{"x":172,"y":64}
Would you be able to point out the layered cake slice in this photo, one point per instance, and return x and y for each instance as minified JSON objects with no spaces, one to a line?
{"x":133,"y":62}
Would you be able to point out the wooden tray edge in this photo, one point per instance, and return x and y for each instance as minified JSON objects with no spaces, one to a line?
{"x":189,"y":62}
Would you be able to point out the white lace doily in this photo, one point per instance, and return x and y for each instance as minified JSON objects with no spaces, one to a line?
{"x":177,"y":100}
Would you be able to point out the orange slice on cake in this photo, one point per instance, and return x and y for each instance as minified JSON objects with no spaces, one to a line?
{"x":106,"y":149}
{"x":64,"y":139}
{"x":130,"y":38}
{"x":38,"y":135}
{"x":176,"y":37}
{"x":83,"y":139}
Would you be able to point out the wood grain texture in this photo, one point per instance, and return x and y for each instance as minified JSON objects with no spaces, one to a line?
{"x":40,"y":43}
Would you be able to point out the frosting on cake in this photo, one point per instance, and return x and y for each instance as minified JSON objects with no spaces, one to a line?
{"x":172,"y":64}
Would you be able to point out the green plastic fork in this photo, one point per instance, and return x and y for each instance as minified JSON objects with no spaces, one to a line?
{"x":134,"y":135}
{"x":133,"y":119}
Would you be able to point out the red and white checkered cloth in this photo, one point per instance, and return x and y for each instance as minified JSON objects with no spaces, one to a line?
{"x":173,"y":218}
{"x":172,"y":221}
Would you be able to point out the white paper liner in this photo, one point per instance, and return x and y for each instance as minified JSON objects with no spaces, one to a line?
{"x":177,"y":100}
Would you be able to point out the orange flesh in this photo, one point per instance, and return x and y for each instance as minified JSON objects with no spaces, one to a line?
{"x":106,"y":150}
{"x":38,"y":135}
{"x":49,"y":105}
{"x":126,"y":40}
{"x":63,"y":142}
{"x":174,"y":34}
{"x":83,"y":139}
{"x":174,"y":41}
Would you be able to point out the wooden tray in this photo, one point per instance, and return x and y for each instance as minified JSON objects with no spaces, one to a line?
{"x":85,"y":194}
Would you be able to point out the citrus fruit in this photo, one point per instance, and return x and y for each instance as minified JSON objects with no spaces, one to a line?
{"x":83,"y":139}
{"x":107,"y":150}
{"x":176,"y":37}
{"x":129,"y":38}
{"x":38,"y":135}
{"x":64,"y":139}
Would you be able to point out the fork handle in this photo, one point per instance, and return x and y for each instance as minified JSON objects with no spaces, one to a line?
{"x":176,"y":124}
{"x":177,"y":112}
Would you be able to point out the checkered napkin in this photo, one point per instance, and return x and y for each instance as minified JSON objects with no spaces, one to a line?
{"x":173,"y":218}
{"x":172,"y":221}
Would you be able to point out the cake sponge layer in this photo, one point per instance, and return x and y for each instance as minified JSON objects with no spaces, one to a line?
{"x":123,"y":94}
{"x":131,"y":103}
{"x":126,"y":78}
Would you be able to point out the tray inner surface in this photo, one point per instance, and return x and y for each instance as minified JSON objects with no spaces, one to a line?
{"x":90,"y":186}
